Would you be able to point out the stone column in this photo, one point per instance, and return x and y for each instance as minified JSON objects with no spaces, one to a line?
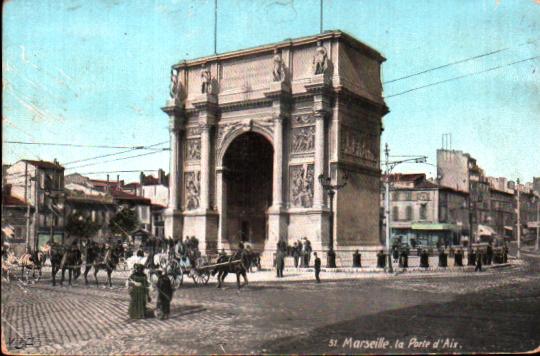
{"x":173,"y":215}
{"x":318,"y":194}
{"x":205,"y":167}
{"x":277,"y":184}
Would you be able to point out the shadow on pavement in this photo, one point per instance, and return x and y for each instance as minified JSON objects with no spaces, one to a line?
{"x":476,"y":322}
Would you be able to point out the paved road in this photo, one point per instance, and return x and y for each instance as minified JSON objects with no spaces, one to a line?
{"x":491,"y":311}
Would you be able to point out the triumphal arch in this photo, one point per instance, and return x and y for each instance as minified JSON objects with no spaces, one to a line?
{"x":252,"y":130}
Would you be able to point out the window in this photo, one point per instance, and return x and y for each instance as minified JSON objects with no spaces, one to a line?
{"x":409,"y":213}
{"x":407,"y":196}
{"x":395,"y":213}
{"x":423,"y":212}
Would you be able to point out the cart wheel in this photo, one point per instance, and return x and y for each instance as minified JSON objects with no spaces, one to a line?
{"x":37,"y":275}
{"x":201,"y":277}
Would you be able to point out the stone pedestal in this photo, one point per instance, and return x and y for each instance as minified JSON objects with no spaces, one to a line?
{"x":204,"y":226}
{"x":173,"y":224}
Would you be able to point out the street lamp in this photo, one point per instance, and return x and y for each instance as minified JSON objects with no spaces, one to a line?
{"x":331,"y":190}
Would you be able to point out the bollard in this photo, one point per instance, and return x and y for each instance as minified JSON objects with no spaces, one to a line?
{"x":357,"y":259}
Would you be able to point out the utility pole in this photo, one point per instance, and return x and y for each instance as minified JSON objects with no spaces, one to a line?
{"x":389,"y":166}
{"x":536,"y":199}
{"x":387,"y":205}
{"x":518,"y":224}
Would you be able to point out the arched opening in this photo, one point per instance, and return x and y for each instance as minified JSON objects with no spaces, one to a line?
{"x":248,"y":180}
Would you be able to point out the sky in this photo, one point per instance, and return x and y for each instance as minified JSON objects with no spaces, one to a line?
{"x":97,"y":73}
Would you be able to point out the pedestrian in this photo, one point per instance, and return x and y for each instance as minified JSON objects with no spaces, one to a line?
{"x":139,"y":293}
{"x":471,"y":257}
{"x":458,"y":258}
{"x":404,"y":258}
{"x":489,"y":254}
{"x":443,"y":258}
{"x":307,"y":249}
{"x":280,"y":263}
{"x":317,"y":267}
{"x":395,"y":253}
{"x":381,"y":260}
{"x":164,"y":295}
{"x":424,"y":259}
{"x":478,"y":267}
{"x":300,"y":248}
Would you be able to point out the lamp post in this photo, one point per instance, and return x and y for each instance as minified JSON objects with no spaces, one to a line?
{"x":518,"y":223}
{"x":331,"y":190}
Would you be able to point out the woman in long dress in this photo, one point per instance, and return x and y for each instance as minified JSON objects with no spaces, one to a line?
{"x":139,"y":293}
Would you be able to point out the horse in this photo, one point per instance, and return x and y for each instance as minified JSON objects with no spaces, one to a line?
{"x":107,"y":260}
{"x":9,"y":261}
{"x":92,"y":253}
{"x":238,"y":268}
{"x":55,"y":253}
{"x":71,"y":260}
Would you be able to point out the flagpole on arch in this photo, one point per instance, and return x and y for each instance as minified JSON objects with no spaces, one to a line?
{"x":215,"y":26}
{"x":321,"y":15}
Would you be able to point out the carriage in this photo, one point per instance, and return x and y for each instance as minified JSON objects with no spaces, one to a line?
{"x":198,"y":270}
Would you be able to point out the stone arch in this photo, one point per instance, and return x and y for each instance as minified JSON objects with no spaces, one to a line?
{"x":236,"y":129}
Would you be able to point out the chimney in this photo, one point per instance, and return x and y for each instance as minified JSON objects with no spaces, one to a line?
{"x":118,"y":181}
{"x":141,"y":178}
{"x":107,"y":187}
{"x":161,"y":176}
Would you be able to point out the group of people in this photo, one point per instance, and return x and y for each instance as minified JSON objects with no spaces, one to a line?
{"x":301,"y":252}
{"x":139,"y":292}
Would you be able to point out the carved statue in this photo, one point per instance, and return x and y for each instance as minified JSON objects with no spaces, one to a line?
{"x":206,"y":80}
{"x":193,"y":186}
{"x":279,"y":68}
{"x":320,"y":60}
{"x":175,"y":85}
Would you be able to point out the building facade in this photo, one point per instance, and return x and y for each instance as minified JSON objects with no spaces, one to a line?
{"x":252,"y":130}
{"x":40,"y":184}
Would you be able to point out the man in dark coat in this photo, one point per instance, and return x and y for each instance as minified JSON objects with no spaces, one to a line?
{"x":471,"y":257}
{"x":443,"y":258}
{"x":458,"y":258}
{"x":381,"y":261}
{"x":307,"y":252}
{"x":489,"y":254}
{"x":164,"y":295}
{"x":424,"y":259}
{"x":479,"y":258}
{"x":404,"y":258}
{"x":280,"y":263}
{"x":317,"y":267}
{"x":296,"y":254}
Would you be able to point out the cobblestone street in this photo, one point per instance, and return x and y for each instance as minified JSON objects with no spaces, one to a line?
{"x":496,"y":310}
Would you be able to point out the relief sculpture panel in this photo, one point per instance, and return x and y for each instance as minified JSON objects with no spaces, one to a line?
{"x":301,"y":183}
{"x":303,"y":139}
{"x":193,"y":149}
{"x":359,"y":145}
{"x":192,"y":188}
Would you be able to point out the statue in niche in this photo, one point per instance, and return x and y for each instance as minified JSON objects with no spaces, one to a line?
{"x":302,"y":186}
{"x":320,"y":60}
{"x":278,"y":71}
{"x":174,"y":91}
{"x":193,"y":186}
{"x":206,"y":80}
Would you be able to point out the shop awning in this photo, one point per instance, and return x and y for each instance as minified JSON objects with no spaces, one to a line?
{"x":434,"y":226}
{"x":509,"y":228}
{"x":484,"y":230}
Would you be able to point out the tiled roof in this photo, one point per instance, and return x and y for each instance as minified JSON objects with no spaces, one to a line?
{"x":122,"y":195}
{"x":407,"y":177}
{"x":44,"y":164}
{"x":10,"y":200}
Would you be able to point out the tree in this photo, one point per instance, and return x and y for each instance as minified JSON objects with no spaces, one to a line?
{"x":81,"y":226}
{"x":124,"y":222}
